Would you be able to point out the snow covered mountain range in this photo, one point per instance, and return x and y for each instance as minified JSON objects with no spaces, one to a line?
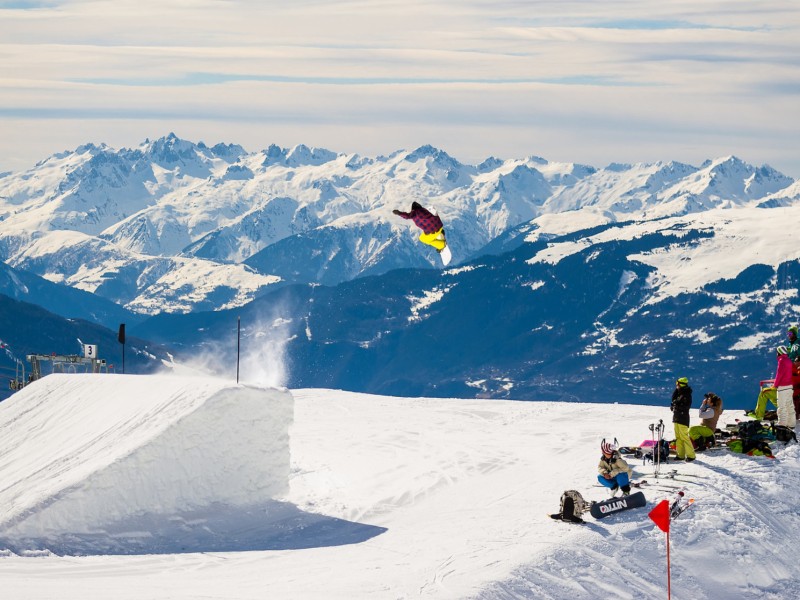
{"x":180,"y":227}
{"x":569,"y":282}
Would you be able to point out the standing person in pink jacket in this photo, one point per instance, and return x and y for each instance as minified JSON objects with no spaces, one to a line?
{"x":783,"y":383}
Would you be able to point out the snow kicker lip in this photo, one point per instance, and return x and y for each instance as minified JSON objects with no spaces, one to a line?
{"x":130,"y":453}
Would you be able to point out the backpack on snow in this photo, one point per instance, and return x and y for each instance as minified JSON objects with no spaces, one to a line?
{"x":753,"y":434}
{"x":785,"y":434}
{"x":572,"y":505}
{"x":661,"y":453}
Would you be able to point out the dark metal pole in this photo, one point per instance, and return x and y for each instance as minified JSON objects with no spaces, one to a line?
{"x":121,"y":338}
{"x":238,"y":344}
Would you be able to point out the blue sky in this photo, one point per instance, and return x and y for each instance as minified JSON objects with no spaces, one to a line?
{"x":579,"y":81}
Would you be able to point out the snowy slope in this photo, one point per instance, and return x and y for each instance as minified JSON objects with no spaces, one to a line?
{"x":734,"y":240}
{"x":84,"y":453}
{"x":451,"y":497}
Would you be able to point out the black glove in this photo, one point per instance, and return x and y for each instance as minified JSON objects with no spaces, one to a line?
{"x":395,"y":211}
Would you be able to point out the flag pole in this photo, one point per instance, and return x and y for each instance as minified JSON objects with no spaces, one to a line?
{"x":661,"y":516}
{"x":238,"y":341}
{"x":669,"y":572}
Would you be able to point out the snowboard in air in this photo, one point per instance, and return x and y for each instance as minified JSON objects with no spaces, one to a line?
{"x":617,"y":504}
{"x":445,"y":255}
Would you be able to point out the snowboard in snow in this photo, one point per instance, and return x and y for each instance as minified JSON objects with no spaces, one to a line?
{"x":602,"y":509}
{"x":446,"y":256}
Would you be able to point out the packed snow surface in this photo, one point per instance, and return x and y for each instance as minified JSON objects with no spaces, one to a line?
{"x":389,"y":498}
{"x":96,"y":463}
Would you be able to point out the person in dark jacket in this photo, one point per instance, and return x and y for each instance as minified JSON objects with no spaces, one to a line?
{"x":681,"y":403}
{"x":430,"y":224}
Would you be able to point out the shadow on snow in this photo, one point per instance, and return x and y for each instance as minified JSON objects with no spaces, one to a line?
{"x":218,"y":528}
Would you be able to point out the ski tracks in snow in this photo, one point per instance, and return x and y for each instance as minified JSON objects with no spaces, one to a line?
{"x":726,"y":547}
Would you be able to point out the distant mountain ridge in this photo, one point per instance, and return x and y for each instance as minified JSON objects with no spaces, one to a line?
{"x":611,"y":314}
{"x":62,"y":300}
{"x":27,"y":328}
{"x":179,"y":226}
{"x":570,"y":282}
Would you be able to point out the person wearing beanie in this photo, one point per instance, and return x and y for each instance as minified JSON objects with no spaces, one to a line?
{"x":783,"y":385}
{"x":614,"y":472}
{"x":681,"y":403}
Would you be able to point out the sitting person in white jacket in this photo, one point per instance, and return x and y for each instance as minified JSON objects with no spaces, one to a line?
{"x":702,"y":435}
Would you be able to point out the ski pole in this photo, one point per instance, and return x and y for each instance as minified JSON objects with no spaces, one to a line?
{"x":658,"y":447}
{"x":653,"y":448}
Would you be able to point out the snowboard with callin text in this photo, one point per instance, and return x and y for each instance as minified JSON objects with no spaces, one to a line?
{"x":602,"y":509}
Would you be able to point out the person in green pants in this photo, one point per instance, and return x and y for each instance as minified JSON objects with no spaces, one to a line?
{"x":681,"y":403}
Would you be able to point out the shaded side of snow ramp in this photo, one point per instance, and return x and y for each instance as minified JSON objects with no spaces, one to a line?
{"x":145,"y":464}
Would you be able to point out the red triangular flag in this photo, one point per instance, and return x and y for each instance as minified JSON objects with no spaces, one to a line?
{"x":660,"y":515}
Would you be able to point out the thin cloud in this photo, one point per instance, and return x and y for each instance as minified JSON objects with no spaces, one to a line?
{"x":555,"y":79}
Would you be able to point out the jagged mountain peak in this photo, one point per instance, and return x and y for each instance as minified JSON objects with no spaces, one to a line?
{"x":297,"y":156}
{"x":525,"y":179}
{"x":730,"y":179}
{"x":92,"y":149}
{"x":171,"y":150}
{"x":223,"y":205}
{"x":436,"y":167}
{"x":537,"y":160}
{"x":724,"y":162}
{"x":274,"y":154}
{"x":490,"y":164}
{"x":82,"y":152}
{"x":616,"y":167}
{"x":229,"y":152}
{"x":439,"y":157}
{"x":303,"y":155}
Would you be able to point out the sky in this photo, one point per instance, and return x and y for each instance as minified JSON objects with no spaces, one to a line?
{"x":576,"y":81}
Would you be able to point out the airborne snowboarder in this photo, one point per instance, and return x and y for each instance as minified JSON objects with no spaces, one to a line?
{"x":431,"y":226}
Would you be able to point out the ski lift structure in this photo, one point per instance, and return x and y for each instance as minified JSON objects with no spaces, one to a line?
{"x":58,"y":363}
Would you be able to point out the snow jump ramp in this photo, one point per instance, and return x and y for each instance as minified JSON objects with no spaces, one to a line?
{"x":132,"y":463}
